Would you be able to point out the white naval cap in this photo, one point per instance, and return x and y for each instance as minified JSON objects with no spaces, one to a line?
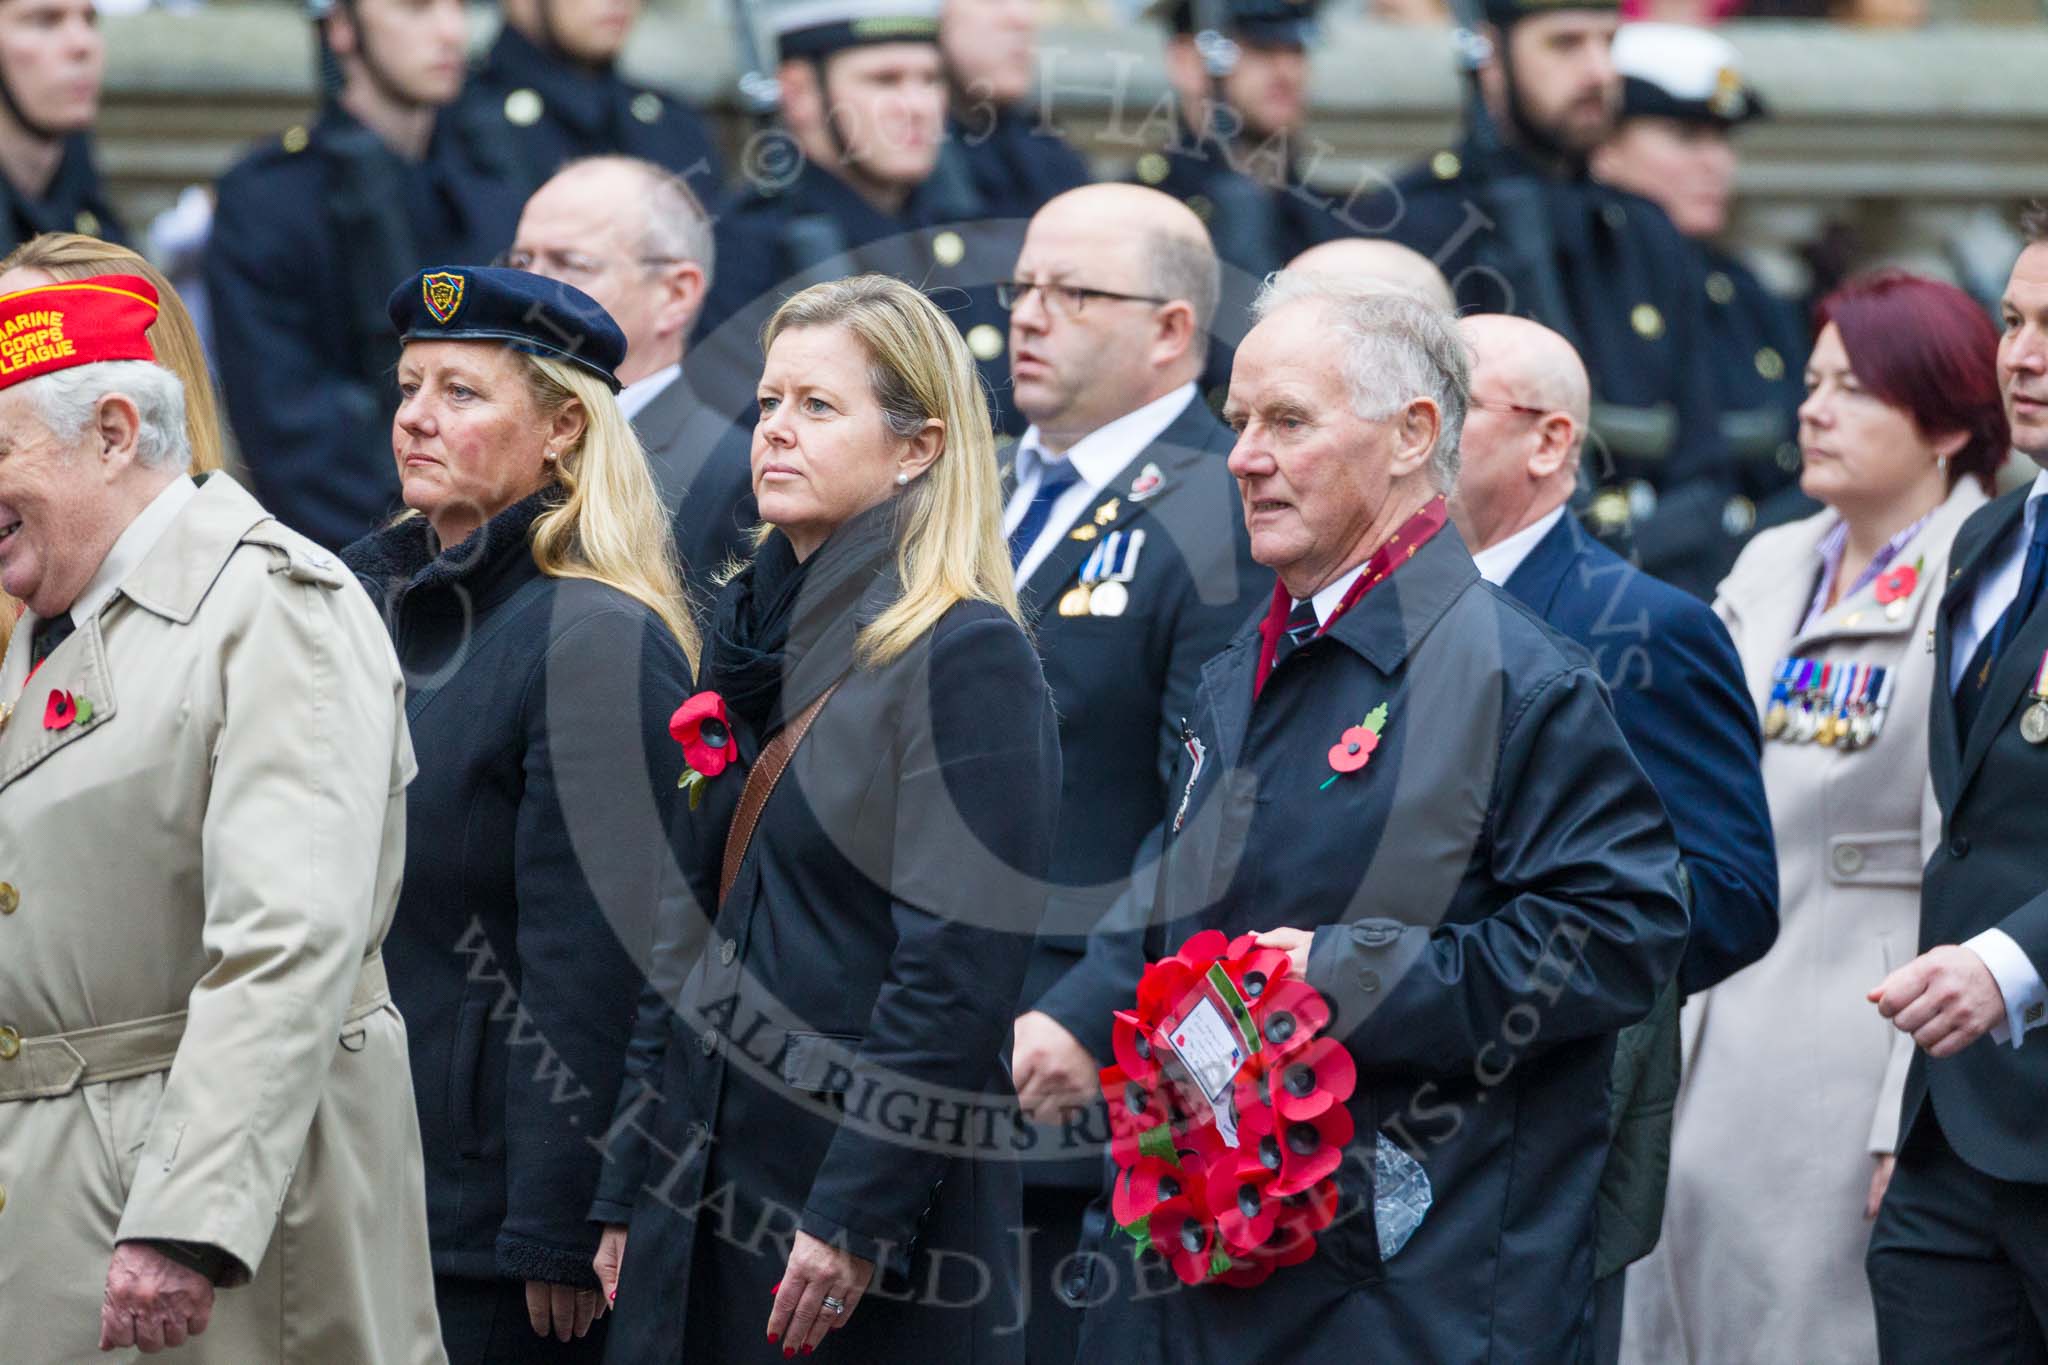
{"x":1678,"y":71}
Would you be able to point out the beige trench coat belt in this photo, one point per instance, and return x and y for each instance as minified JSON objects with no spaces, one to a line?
{"x":44,"y":1068}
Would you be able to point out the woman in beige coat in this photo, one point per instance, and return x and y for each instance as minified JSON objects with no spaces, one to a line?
{"x":1789,"y":1107}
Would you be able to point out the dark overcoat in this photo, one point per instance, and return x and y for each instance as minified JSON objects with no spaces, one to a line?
{"x":537,"y":843}
{"x":1989,"y":869}
{"x":701,"y":464}
{"x":833,"y":1058}
{"x":1124,"y":684}
{"x":1492,"y":896}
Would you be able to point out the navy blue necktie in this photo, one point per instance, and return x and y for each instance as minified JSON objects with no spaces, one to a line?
{"x":1976,"y":679}
{"x":49,"y":634}
{"x":1053,"y":480}
{"x":1301,"y":627}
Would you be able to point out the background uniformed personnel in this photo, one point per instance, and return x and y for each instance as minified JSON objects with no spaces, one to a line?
{"x":1683,"y":96}
{"x":549,"y":88}
{"x":51,"y":61}
{"x":1519,"y":226}
{"x":312,"y":230}
{"x":857,"y":185}
{"x":1015,"y":157}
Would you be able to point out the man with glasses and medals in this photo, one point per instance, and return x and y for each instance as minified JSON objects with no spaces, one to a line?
{"x":314,"y":228}
{"x":1129,"y":545}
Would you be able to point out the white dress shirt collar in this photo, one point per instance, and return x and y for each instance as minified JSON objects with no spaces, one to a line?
{"x":1096,"y":458}
{"x":132,"y":547}
{"x":1331,"y":595}
{"x":642,"y":391}
{"x":1498,"y":562}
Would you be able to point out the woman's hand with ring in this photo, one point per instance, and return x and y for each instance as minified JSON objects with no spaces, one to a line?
{"x":817,"y":1271}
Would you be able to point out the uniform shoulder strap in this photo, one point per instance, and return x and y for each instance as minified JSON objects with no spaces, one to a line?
{"x":761,"y":780}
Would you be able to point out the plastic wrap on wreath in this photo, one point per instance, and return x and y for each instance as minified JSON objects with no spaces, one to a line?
{"x":1400,"y":1196}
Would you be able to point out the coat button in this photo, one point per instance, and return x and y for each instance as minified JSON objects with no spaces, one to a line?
{"x":3,"y":1199}
{"x":708,"y":1044}
{"x":10,"y":1044}
{"x":1848,"y":859}
{"x":1368,"y":981}
{"x":727,"y":951}
{"x":1959,"y":847}
{"x":696,"y":1133}
{"x":10,"y":899}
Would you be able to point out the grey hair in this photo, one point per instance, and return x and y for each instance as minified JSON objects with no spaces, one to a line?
{"x":1185,"y":268}
{"x":1397,"y":347}
{"x":67,"y":399}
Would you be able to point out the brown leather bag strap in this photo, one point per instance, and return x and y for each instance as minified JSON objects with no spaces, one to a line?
{"x":761,"y":780}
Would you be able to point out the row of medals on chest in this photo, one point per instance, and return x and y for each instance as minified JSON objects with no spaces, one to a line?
{"x":1842,"y":705}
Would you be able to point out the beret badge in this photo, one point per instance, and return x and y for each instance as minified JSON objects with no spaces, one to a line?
{"x":443,"y":293}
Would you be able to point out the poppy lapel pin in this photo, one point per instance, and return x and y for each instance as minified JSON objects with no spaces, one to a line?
{"x":1354,"y":748}
{"x":704,"y":730}
{"x":64,"y":710}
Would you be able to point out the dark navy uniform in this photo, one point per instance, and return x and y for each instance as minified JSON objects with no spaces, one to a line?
{"x":552,"y":111}
{"x":1015,"y":166}
{"x":76,"y":201}
{"x":771,"y":243}
{"x":1636,"y":298}
{"x":312,"y":231}
{"x":1258,"y":225}
{"x":1759,"y":352}
{"x":1754,"y":343}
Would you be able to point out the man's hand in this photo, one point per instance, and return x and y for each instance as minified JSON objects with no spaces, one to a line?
{"x":1946,"y":998}
{"x":152,"y":1302}
{"x":1052,"y":1071}
{"x":1294,"y":942}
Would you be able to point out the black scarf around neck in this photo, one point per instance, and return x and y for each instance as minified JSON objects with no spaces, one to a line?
{"x":782,"y":632}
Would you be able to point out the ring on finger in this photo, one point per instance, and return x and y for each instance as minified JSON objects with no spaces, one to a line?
{"x":834,"y":1305}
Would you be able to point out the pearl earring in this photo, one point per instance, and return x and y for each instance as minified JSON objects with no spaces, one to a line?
{"x":551,"y":457}
{"x":902,"y":479}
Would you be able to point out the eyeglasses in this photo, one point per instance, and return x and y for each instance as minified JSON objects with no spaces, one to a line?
{"x":1064,"y":300}
{"x":572,"y":265}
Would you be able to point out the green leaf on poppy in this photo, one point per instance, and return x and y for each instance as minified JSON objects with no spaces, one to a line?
{"x":84,"y":711}
{"x":1376,"y":719}
{"x":1219,"y":1260}
{"x":1158,"y":1141}
{"x":696,"y":794}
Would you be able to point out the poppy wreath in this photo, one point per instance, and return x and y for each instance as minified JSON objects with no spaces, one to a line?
{"x":1217,"y":1212}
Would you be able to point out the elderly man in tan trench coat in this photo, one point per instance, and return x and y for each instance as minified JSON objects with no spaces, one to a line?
{"x":203,"y":1083}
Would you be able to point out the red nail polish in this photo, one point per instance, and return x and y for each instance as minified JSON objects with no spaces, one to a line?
{"x":773,"y":1337}
{"x":788,"y":1351}
{"x":776,"y":1290}
{"x":806,"y":1351}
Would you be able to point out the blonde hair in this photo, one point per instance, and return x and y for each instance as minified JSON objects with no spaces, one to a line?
{"x":951,"y":547}
{"x":611,"y":526}
{"x":71,"y":256}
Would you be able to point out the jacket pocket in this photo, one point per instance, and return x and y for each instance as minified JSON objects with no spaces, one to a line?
{"x":1351,"y":1242}
{"x":819,"y":1063}
{"x":1888,"y":859}
{"x":465,"y":1076}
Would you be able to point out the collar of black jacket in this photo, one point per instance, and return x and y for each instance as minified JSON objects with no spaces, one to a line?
{"x":1387,"y":623}
{"x":578,"y":96}
{"x":405,"y":562}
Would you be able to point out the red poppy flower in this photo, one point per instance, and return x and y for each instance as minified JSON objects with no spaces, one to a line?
{"x":1353,"y":749}
{"x":1309,"y":1082}
{"x":1163,"y":986}
{"x":1131,"y":1042}
{"x":1202,"y":949}
{"x":1898,"y":583}
{"x":1238,"y":1200}
{"x":1186,"y":1239}
{"x":1290,"y":1015}
{"x":1151,"y":1184}
{"x":1256,"y":971}
{"x":1299,"y":1153}
{"x":1135,"y":1110}
{"x":702,"y":727}
{"x":60,"y":711}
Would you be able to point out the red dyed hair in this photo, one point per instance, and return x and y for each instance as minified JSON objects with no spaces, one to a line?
{"x":1928,"y":349}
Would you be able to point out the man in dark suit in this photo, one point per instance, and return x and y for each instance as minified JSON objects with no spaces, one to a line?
{"x":1958,"y":1258}
{"x":1418,"y":791}
{"x":632,"y":236}
{"x":1123,"y":524}
{"x":1680,"y":700}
